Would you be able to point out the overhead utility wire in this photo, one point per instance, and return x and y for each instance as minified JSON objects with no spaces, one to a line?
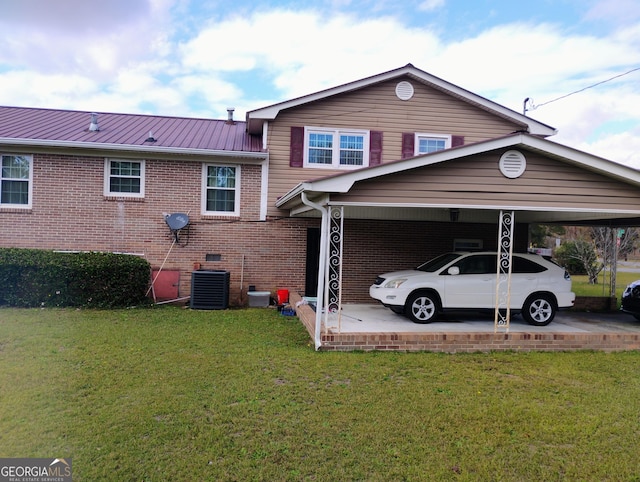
{"x":534,"y":107}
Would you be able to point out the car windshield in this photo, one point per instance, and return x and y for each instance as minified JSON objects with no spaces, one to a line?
{"x":436,"y":263}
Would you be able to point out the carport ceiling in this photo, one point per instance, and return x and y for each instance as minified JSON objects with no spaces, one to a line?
{"x":484,"y":216}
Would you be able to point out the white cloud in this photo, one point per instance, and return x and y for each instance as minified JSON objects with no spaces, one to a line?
{"x":84,"y":38}
{"x":429,"y":5}
{"x":138,"y":64}
{"x":306,"y":51}
{"x":32,"y":89}
{"x":526,"y":57}
{"x":616,"y":11}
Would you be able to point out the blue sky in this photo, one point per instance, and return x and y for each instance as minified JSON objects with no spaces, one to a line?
{"x":196,"y":58}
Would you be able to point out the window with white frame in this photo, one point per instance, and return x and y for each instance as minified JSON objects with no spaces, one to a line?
{"x":336,"y":148}
{"x":426,"y":143}
{"x":124,"y":178}
{"x":221,"y":190}
{"x":16,"y":179}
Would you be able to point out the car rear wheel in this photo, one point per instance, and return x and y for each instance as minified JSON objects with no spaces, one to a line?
{"x":422,"y":307}
{"x":539,"y":310}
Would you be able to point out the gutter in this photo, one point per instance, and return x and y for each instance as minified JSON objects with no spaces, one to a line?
{"x":321,"y":265}
{"x":146,"y":149}
{"x":292,"y":194}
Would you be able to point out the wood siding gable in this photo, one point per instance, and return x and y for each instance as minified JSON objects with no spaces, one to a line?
{"x":477,"y":181}
{"x":377,"y":109}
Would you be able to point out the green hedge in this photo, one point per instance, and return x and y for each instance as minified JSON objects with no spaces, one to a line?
{"x":33,"y":277}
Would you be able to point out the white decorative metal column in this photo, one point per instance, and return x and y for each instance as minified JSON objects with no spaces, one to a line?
{"x":333,"y":276}
{"x":503,"y":275}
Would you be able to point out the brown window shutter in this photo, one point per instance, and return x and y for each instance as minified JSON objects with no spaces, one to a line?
{"x":296,"y":153}
{"x":457,"y":141}
{"x":375,"y":148}
{"x":408,"y":145}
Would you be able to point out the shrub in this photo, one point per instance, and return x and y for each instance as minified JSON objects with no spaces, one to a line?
{"x":579,"y":258}
{"x":32,"y":277}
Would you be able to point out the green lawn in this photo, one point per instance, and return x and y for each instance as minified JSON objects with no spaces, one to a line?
{"x":174,"y":394}
{"x":581,"y":286}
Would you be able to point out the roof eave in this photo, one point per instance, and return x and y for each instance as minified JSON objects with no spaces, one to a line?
{"x":255,"y":118}
{"x":343,"y":182}
{"x":128,"y":148}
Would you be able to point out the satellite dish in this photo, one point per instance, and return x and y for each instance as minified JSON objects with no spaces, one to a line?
{"x":176,"y":222}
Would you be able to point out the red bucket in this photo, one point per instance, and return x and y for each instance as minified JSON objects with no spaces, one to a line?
{"x":283,"y":296}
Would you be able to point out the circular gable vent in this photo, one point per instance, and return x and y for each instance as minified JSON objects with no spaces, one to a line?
{"x":404,"y":90}
{"x":512,"y":164}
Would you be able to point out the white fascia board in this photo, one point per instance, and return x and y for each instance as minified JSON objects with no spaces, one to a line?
{"x":91,"y":146}
{"x":343,"y":182}
{"x":272,"y":111}
{"x":586,"y":160}
{"x":535,"y":127}
{"x":292,"y":194}
{"x":492,"y":207}
{"x":264,"y":189}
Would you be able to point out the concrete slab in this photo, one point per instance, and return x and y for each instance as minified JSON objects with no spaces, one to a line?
{"x":371,"y":318}
{"x":367,"y":327}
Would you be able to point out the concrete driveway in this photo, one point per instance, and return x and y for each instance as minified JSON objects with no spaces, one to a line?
{"x":372,"y":318}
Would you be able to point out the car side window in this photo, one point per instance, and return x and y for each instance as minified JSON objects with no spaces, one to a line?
{"x":523,"y":265}
{"x":477,"y":264}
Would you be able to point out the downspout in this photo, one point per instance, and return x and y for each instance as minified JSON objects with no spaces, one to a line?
{"x":321,"y":265}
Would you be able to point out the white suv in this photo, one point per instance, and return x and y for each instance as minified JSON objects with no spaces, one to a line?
{"x":457,"y":281}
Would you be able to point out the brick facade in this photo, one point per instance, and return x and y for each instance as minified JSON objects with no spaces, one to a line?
{"x":71,"y":212}
{"x":373,"y":247}
{"x":609,"y":340}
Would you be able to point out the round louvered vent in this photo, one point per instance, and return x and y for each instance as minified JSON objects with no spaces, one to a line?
{"x":404,"y":90}
{"x":512,"y":164}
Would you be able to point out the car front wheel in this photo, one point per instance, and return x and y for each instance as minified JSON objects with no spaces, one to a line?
{"x":539,"y":310}
{"x":422,"y":307}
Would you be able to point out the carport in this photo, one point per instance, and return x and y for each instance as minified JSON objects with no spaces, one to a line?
{"x":519,"y":178}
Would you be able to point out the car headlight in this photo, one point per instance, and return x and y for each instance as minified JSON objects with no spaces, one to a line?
{"x":394,"y":283}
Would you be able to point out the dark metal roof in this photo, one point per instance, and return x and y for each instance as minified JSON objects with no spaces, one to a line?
{"x":70,"y":127}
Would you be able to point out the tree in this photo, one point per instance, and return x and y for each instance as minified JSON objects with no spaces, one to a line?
{"x":539,"y":234}
{"x":604,"y":239}
{"x":614,"y":243}
{"x":579,"y":257}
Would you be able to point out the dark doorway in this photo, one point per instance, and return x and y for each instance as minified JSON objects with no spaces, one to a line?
{"x":313,"y":262}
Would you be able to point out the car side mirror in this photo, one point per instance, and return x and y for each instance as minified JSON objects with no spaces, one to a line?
{"x":454,"y":270}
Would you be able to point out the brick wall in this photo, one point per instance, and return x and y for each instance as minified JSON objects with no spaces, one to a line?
{"x":480,"y":342}
{"x":595,"y":303}
{"x":70,"y":212}
{"x":466,"y":342}
{"x":373,"y":247}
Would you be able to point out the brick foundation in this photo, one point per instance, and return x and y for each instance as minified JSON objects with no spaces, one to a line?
{"x":465,"y":342}
{"x":595,"y":303}
{"x":480,"y":342}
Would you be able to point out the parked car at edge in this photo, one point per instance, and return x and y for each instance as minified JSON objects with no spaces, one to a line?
{"x":462,"y":280}
{"x":631,"y":299}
